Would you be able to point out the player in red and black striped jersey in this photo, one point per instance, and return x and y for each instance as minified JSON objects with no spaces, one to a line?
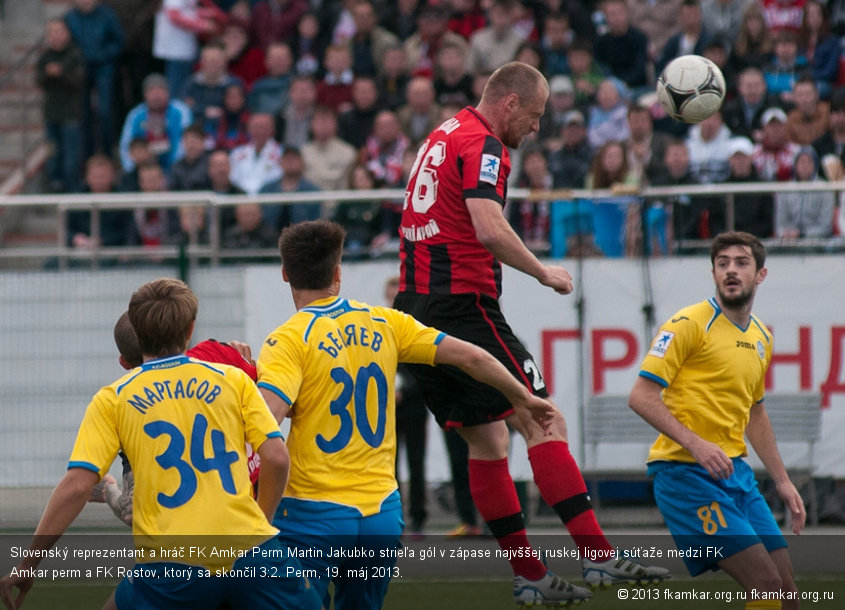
{"x":454,"y":238}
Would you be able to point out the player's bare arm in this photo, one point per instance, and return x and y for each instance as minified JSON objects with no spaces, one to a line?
{"x":278,"y":407}
{"x":483,"y":367}
{"x":645,"y":401}
{"x":495,"y":233}
{"x":66,"y":502}
{"x":762,"y":438}
{"x":273,"y":476}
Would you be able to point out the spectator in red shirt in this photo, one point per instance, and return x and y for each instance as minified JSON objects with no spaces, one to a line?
{"x":335,"y":89}
{"x":276,"y":20}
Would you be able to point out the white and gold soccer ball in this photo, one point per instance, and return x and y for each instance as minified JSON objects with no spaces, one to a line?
{"x":691,"y":88}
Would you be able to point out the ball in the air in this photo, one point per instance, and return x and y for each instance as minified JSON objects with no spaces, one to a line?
{"x":691,"y":88}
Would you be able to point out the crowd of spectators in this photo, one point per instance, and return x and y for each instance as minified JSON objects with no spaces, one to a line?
{"x":279,"y":96}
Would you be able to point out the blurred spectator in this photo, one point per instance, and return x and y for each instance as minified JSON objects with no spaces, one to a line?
{"x":292,"y":181}
{"x":645,"y":147}
{"x":219,"y":172}
{"x":610,"y":168}
{"x":269,"y":94}
{"x":810,"y":119}
{"x":616,"y":222}
{"x":529,"y":53}
{"x":159,"y":120}
{"x":687,"y":212}
{"x":623,"y":49}
{"x":609,"y":115}
{"x":204,"y":90}
{"x":577,"y":12}
{"x":156,"y":226}
{"x":308,"y":46}
{"x":421,"y":115}
{"x":382,"y":153}
{"x":275,"y":20}
{"x":570,"y":164}
{"x":190,"y":173}
{"x":496,"y":44}
{"x":59,"y":72}
{"x":250,"y":231}
{"x":370,"y":41}
{"x":335,"y":88}
{"x":709,"y":150}
{"x":557,"y":36}
{"x":479,"y":81}
{"x":191,"y":226}
{"x":117,"y":227}
{"x":99,"y":35}
{"x":233,"y":126}
{"x":422,"y":47}
{"x":243,"y":61}
{"x":355,"y":125}
{"x":452,"y":85}
{"x":400,"y":17}
{"x":692,"y":38}
{"x":139,"y":152}
{"x":753,"y":45}
{"x":175,"y":40}
{"x":743,"y":113}
{"x":530,"y":219}
{"x":393,"y":78}
{"x":783,"y":14}
{"x":723,"y":17}
{"x":137,"y":18}
{"x":804,"y":213}
{"x":657,"y":19}
{"x":561,"y":102}
{"x":293,"y":120}
{"x":717,"y":50}
{"x":753,"y":212}
{"x":783,"y":69}
{"x":585,"y":72}
{"x":832,"y":142}
{"x":338,"y":18}
{"x":774,"y":155}
{"x":359,"y":218}
{"x":257,"y":163}
{"x":328,"y":159}
{"x":819,"y":46}
{"x":466,"y":17}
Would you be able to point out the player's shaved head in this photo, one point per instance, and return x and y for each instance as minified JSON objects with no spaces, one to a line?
{"x":310,"y":253}
{"x":162,"y":312}
{"x":127,"y":341}
{"x":515,"y":77}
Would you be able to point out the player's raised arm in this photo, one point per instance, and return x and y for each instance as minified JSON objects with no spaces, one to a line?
{"x":483,"y":367}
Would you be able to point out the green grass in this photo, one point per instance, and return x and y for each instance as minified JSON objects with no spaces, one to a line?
{"x":487,"y":595}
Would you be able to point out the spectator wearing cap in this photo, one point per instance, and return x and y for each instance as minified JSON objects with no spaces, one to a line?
{"x":743,"y":113}
{"x":159,"y":120}
{"x":421,"y":48}
{"x":623,"y":49}
{"x":561,"y":101}
{"x":692,"y":38}
{"x":774,"y":155}
{"x":810,"y":119}
{"x":753,"y":212}
{"x":496,"y":44}
{"x":570,"y":164}
{"x":832,"y":142}
{"x":804,"y":213}
{"x":421,"y":115}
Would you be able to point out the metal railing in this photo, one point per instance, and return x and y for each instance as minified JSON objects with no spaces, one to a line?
{"x":213,"y":253}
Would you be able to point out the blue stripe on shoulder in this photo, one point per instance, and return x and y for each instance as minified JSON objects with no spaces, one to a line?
{"x":654,"y":378}
{"x":275,"y":390}
{"x":128,"y":381}
{"x":762,"y":328}
{"x":208,"y":365}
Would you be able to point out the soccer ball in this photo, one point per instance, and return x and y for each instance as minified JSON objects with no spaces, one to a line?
{"x":691,"y":88}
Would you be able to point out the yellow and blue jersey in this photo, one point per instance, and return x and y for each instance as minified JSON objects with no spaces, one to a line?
{"x":335,"y":363}
{"x":183,"y":424}
{"x":712,"y":372}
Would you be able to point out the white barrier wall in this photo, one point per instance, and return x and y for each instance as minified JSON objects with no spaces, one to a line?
{"x":55,"y":330}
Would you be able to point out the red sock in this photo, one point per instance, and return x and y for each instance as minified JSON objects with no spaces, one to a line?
{"x":495,"y":497}
{"x":562,"y":487}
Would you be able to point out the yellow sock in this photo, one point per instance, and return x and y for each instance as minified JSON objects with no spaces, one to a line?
{"x":763,"y":604}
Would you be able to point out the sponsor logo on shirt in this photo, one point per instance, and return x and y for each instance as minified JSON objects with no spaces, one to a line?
{"x":661,"y":343}
{"x":489,"y":169}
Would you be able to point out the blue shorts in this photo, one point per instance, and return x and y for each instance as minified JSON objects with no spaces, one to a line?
{"x":357,"y":553}
{"x":270,"y":587}
{"x":711,"y":520}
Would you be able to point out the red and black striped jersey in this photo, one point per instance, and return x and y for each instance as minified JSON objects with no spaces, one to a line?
{"x":439,"y":251}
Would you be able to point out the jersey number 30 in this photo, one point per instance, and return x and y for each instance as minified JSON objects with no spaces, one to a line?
{"x":355,"y":392}
{"x":173,"y":457}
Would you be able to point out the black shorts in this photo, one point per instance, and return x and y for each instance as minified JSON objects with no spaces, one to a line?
{"x":455,"y":398}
